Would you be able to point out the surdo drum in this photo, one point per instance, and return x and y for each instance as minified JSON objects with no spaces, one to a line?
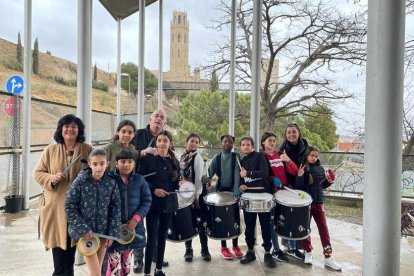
{"x":223,"y":216}
{"x":292,"y":215}
{"x":183,"y":225}
{"x":256,"y":202}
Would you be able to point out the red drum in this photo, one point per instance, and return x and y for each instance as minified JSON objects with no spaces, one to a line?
{"x":183,"y":226}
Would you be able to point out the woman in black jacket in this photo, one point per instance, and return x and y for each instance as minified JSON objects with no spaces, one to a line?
{"x":166,"y":168}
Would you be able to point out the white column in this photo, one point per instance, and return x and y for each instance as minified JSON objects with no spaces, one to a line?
{"x":84,"y":73}
{"x":160,"y":55}
{"x":256,"y":60}
{"x":141,"y":65}
{"x":118,"y":73}
{"x":383,"y":137}
{"x":27,"y":108}
{"x":232,"y":92}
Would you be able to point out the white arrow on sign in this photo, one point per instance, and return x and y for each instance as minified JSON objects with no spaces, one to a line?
{"x":14,"y":85}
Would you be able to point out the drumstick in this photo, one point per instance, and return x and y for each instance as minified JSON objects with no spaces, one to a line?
{"x":147,"y":175}
{"x":68,"y":167}
{"x":299,"y":194}
{"x":238,"y":162}
{"x":181,"y":192}
{"x":255,"y":188}
{"x":333,"y":170}
{"x":109,"y":237}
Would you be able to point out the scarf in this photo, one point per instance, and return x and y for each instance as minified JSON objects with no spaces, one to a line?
{"x":185,"y":167}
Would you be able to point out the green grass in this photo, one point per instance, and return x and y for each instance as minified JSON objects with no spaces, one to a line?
{"x":346,"y":212}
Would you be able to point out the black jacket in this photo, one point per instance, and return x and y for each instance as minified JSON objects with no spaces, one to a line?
{"x":295,"y":153}
{"x":166,"y":177}
{"x":319,"y":182}
{"x":257,"y":168}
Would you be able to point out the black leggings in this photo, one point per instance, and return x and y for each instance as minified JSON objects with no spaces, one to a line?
{"x":63,"y":260}
{"x":250,"y":221}
{"x":157,"y":226}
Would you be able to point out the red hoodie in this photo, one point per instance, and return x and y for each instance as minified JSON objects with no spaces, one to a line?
{"x":278,"y":167}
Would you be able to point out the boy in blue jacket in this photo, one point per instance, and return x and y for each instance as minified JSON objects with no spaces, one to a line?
{"x":135,"y":203}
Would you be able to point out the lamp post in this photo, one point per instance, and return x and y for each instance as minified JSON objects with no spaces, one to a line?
{"x":129,"y":87}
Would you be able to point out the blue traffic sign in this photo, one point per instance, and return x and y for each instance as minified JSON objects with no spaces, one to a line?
{"x":15,"y":84}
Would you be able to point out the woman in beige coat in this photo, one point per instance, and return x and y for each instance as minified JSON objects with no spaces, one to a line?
{"x":50,"y":174}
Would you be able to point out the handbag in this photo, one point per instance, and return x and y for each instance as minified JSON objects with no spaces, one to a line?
{"x":171,"y":203}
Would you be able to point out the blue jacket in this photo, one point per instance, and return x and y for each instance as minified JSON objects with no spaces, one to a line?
{"x":92,"y":206}
{"x":135,"y":199}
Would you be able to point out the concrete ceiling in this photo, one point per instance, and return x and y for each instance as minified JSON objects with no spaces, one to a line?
{"x":123,"y":8}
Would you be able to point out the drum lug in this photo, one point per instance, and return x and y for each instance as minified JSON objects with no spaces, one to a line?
{"x":217,"y":220}
{"x":291,"y":210}
{"x":236,"y":226}
{"x":228,"y":234}
{"x":179,"y":237}
{"x":169,"y":232}
{"x":198,"y":219}
{"x":227,"y":209}
{"x":205,"y":224}
{"x":290,"y":234}
{"x":301,"y":228}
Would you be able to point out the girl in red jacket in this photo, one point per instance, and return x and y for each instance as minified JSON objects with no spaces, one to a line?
{"x":280,"y":164}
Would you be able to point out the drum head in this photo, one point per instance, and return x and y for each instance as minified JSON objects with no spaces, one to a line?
{"x":186,"y":189}
{"x":126,"y":235}
{"x":288,"y":198}
{"x":220,"y":199}
{"x":257,"y":196}
{"x":88,"y":247}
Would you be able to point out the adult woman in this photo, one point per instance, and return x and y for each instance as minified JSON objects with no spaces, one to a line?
{"x":50,"y":174}
{"x":294,"y":146}
{"x":166,"y":168}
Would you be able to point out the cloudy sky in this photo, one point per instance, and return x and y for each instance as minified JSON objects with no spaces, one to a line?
{"x":54,"y":23}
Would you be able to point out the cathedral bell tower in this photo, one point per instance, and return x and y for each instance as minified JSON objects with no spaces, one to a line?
{"x":179,"y":37}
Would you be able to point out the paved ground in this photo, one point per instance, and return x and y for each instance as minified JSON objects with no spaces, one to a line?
{"x":22,"y":254}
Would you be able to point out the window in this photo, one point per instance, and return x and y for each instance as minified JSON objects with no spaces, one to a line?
{"x":179,"y":38}
{"x":179,"y":19}
{"x":178,"y":52}
{"x":185,"y":39}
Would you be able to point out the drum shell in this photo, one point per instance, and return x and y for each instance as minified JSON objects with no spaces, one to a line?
{"x":292,"y":215}
{"x":256,"y":202}
{"x":222,"y":219}
{"x":183,"y":225}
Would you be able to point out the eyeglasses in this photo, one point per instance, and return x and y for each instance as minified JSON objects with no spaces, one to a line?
{"x":158,"y":116}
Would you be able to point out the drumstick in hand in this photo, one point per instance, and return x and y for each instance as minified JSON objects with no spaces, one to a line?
{"x":301,"y":195}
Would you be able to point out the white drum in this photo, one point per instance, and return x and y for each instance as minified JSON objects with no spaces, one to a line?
{"x":256,"y":202}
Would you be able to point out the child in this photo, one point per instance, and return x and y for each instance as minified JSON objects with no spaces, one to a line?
{"x":92,"y":206}
{"x":135,"y":204}
{"x":279,"y":165}
{"x":192,"y":169}
{"x":167,"y":168}
{"x":225,"y":167}
{"x":121,"y":141}
{"x":254,"y":173}
{"x":311,"y":179}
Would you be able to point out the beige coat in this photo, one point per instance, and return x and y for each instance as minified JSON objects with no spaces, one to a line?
{"x":53,"y":223}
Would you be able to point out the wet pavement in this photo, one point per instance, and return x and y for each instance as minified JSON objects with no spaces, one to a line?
{"x":21,"y":253}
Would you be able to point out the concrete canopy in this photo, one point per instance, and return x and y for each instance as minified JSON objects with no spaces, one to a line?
{"x":123,"y":8}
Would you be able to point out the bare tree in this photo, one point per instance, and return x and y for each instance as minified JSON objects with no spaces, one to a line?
{"x":311,"y":40}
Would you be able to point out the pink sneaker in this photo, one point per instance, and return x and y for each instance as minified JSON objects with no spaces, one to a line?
{"x":225,"y":252}
{"x":237,"y":252}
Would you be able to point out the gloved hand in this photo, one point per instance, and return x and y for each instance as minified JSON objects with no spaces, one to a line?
{"x":276,"y":182}
{"x":236,"y":193}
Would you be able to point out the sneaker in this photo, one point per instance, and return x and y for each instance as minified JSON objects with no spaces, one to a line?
{"x":205,"y":254}
{"x":225,"y":252}
{"x":249,"y":257}
{"x":296,"y":253}
{"x":308,"y":258}
{"x":330,"y":262}
{"x":159,"y":273}
{"x":280,"y":256}
{"x":268,"y":260}
{"x":188,"y":256}
{"x":164,"y":262}
{"x":138,"y":266}
{"x":237,"y":252}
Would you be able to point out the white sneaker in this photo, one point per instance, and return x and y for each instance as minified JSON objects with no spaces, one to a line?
{"x":332,"y":263}
{"x":308,"y":258}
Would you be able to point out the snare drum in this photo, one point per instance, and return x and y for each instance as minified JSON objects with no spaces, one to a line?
{"x":183,"y":225}
{"x":223,"y":216}
{"x":292,"y":215}
{"x":256,"y":202}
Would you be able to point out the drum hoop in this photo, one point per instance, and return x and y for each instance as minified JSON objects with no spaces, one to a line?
{"x":91,"y":253}
{"x":289,"y":204}
{"x":219,"y":204}
{"x":246,"y":196}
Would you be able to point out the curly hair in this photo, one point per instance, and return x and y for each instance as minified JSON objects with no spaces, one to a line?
{"x":66,"y":120}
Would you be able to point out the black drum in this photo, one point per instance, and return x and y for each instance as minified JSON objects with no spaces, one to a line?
{"x":292,"y":215}
{"x":223,"y":216}
{"x":183,"y":225}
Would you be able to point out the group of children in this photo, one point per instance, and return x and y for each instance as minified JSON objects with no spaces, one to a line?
{"x":112,"y":192}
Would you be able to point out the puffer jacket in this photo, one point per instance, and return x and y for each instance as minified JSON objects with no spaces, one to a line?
{"x":93,"y":206}
{"x":135,"y":199}
{"x":319,"y":182}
